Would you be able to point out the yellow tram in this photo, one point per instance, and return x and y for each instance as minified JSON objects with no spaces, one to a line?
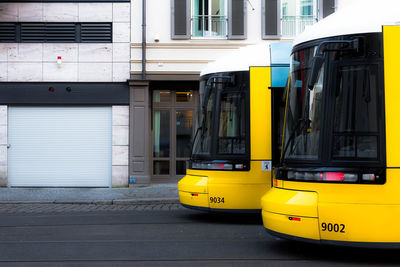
{"x":231,"y":162}
{"x":338,"y":181}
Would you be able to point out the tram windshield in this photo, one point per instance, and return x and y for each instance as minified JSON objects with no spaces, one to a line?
{"x":202,"y":139}
{"x":222,"y":120}
{"x":304,"y":109}
{"x":339,"y":120}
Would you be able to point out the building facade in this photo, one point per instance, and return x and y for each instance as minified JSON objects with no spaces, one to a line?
{"x":103,"y":93}
{"x":64,"y":93}
{"x":172,"y":41}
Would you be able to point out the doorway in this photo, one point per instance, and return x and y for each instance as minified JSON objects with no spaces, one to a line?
{"x":173,"y":113}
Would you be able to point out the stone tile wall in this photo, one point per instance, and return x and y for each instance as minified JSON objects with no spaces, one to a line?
{"x":3,"y":145}
{"x":120,"y":145}
{"x":82,"y":62}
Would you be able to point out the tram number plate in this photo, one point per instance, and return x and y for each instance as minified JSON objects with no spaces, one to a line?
{"x":217,"y":200}
{"x":333,"y":227}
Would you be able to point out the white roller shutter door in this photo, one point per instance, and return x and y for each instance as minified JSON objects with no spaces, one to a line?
{"x":59,"y":146}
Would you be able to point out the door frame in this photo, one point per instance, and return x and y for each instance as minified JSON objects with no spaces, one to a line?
{"x":172,"y":106}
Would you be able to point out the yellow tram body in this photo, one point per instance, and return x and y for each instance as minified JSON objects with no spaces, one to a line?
{"x":297,"y":211}
{"x":240,"y":190}
{"x":232,"y":190}
{"x":362,"y":211}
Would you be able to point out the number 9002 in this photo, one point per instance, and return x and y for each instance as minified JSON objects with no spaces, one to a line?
{"x":333,"y":227}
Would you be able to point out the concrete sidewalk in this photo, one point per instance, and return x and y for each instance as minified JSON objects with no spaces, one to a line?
{"x":151,"y":194}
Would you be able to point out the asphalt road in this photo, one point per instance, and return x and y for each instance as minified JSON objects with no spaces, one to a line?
{"x":159,"y":237}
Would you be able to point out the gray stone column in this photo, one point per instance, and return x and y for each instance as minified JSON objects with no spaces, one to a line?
{"x":140,"y":133}
{"x":3,"y":146}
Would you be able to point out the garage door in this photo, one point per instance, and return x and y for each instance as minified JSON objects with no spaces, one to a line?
{"x":59,"y":146}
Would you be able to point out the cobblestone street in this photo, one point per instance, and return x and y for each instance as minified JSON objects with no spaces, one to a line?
{"x":61,"y":208}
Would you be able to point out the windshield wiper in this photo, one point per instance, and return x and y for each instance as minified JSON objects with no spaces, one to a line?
{"x":319,"y":58}
{"x":212,"y":80}
{"x":299,"y":126}
{"x":194,"y":139}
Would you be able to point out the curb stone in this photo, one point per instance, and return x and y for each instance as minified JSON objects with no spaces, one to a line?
{"x":27,"y":202}
{"x":142,"y":201}
{"x":145,"y":201}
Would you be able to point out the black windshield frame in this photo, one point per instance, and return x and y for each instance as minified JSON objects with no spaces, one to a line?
{"x":301,"y":130}
{"x":370,"y":53}
{"x":241,"y":86}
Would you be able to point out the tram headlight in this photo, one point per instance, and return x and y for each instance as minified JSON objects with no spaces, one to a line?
{"x":350,"y":177}
{"x":211,"y":166}
{"x":219,"y":166}
{"x":199,"y":165}
{"x":322,"y":176}
{"x":239,"y":166}
{"x":370,"y":177}
{"x":303,"y":176}
{"x":309,"y":176}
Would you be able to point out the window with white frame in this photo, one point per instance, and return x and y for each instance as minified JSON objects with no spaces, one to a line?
{"x":297,"y":15}
{"x":209,"y":18}
{"x":288,"y":18}
{"x":284,"y":8}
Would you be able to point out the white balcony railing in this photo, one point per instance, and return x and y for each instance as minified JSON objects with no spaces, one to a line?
{"x":209,"y":26}
{"x":294,"y":25}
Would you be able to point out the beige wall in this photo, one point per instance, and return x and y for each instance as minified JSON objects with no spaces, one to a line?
{"x":167,"y":56}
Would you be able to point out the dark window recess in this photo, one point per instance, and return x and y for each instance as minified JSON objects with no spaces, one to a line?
{"x":36,"y":32}
{"x":68,"y":1}
{"x":237,"y":10}
{"x":237,"y":17}
{"x":96,"y":33}
{"x":328,"y":7}
{"x":8,"y":32}
{"x":180,"y":19}
{"x":60,"y":93}
{"x":271,"y":19}
{"x":48,"y":32}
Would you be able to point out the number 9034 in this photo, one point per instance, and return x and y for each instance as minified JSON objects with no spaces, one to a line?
{"x":217,"y":200}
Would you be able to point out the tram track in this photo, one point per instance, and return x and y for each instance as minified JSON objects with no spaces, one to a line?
{"x":159,"y":238}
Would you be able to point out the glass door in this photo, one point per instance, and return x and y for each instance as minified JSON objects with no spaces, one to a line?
{"x":184,"y":131}
{"x":161,"y":142}
{"x":172,"y":130}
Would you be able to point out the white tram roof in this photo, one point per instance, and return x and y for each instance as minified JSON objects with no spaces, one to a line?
{"x":362,"y":16}
{"x":241,"y":59}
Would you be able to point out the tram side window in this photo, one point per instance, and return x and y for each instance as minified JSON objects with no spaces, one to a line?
{"x":232,"y":130}
{"x":356,"y":113}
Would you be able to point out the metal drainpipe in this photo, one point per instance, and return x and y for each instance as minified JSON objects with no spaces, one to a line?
{"x":143,"y":39}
